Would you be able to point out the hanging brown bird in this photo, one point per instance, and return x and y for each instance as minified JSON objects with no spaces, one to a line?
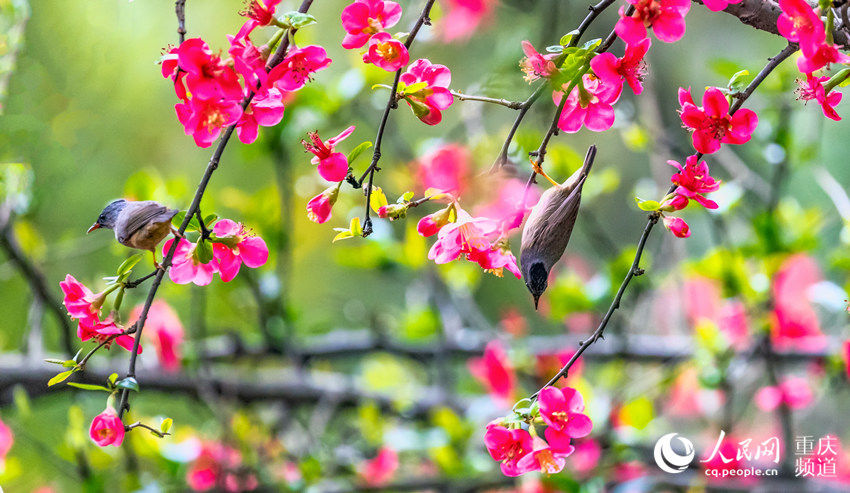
{"x":140,"y":225}
{"x":549,"y":226}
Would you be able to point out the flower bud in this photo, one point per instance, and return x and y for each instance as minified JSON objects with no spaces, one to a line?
{"x":393,"y":211}
{"x":319,"y":207}
{"x":677,"y":226}
{"x":433,"y":223}
{"x":675,"y":203}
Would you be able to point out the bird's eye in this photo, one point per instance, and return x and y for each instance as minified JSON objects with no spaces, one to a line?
{"x":101,"y":218}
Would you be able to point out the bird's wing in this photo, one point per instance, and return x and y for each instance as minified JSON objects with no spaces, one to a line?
{"x":140,"y":214}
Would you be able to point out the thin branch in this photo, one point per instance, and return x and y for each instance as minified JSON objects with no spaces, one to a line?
{"x":392,"y":103}
{"x":180,"y":10}
{"x":275,"y":59}
{"x":514,"y":105}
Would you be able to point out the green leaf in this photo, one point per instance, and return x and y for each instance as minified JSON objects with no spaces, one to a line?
{"x":55,"y":361}
{"x":166,"y":424}
{"x":566,"y":38}
{"x":127,"y":266}
{"x":204,"y":252}
{"x":555,"y":49}
{"x":740,"y":80}
{"x":112,"y":378}
{"x":296,"y":19}
{"x":59,"y":378}
{"x":88,"y":386}
{"x":128,"y":383}
{"x":647,"y":205}
{"x":357,"y":151}
{"x":210,"y":219}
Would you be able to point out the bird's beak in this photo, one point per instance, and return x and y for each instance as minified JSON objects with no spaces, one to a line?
{"x":536,"y":300}
{"x":93,"y":227}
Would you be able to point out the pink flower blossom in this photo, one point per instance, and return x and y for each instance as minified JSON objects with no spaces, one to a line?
{"x":446,"y":168}
{"x":333,"y":166}
{"x":295,"y":70}
{"x":470,"y":236}
{"x":513,"y":201}
{"x":593,"y":109}
{"x":712,"y":124}
{"x":495,"y":372}
{"x":629,"y":69}
{"x":386,"y":52}
{"x":164,"y":330}
{"x":266,"y":109}
{"x":433,"y":223}
{"x":464,"y":17}
{"x":247,"y":60}
{"x":799,"y":23}
{"x":677,"y":226}
{"x":813,"y":88}
{"x":107,"y":428}
{"x":379,"y":470}
{"x":562,"y":410}
{"x":794,"y":322}
{"x":535,"y":65}
{"x":204,"y":119}
{"x":822,"y":56}
{"x":207,"y":77}
{"x":846,"y":356}
{"x":363,"y":18}
{"x":103,"y":330}
{"x":6,"y":441}
{"x":319,"y":207}
{"x":259,"y":13}
{"x":665,"y":17}
{"x":212,"y":467}
{"x":428,"y":102}
{"x":694,"y":181}
{"x":585,"y":458}
{"x":233,"y":245}
{"x":545,"y":458}
{"x":718,"y":5}
{"x":185,"y":265}
{"x":80,"y":302}
{"x":794,"y":392}
{"x":507,"y":446}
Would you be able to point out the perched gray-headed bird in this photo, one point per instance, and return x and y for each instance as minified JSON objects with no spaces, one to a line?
{"x":549,"y":226}
{"x":140,"y":225}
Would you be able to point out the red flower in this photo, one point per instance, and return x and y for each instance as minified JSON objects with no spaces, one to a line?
{"x":204,"y":119}
{"x":379,"y":470}
{"x":665,"y":17}
{"x":80,"y":302}
{"x":813,"y":88}
{"x":107,"y":428}
{"x":629,"y":69}
{"x":712,"y":124}
{"x":233,"y":245}
{"x":562,"y":410}
{"x":535,"y":65}
{"x":677,"y":226}
{"x":386,"y":52}
{"x":821,"y":56}
{"x":333,"y":166}
{"x":799,"y":23}
{"x":507,"y":446}
{"x":694,"y":181}
{"x":319,"y":208}
{"x":495,"y":372}
{"x":363,"y":18}
{"x":591,"y":107}
{"x":295,"y":70}
{"x":545,"y":457}
{"x":718,"y":5}
{"x":102,"y":330}
{"x":259,"y":13}
{"x":207,"y":77}
{"x":428,"y":102}
{"x":266,"y":109}
{"x":794,"y":322}
{"x":247,"y":60}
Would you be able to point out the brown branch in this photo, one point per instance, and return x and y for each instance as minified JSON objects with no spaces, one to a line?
{"x":763,"y":14}
{"x":180,"y":10}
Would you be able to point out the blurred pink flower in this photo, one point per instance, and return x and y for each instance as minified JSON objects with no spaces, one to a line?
{"x":792,"y":391}
{"x":234,"y":245}
{"x":6,"y":441}
{"x":364,"y":18}
{"x":446,"y":168}
{"x":379,"y":470}
{"x":212,"y":466}
{"x":464,"y":17}
{"x":585,"y":458}
{"x":510,"y":205}
{"x":185,"y":266}
{"x":386,"y":52}
{"x":495,"y":372}
{"x":107,"y":428}
{"x":332,"y":166}
{"x":164,"y":330}
{"x":794,"y":322}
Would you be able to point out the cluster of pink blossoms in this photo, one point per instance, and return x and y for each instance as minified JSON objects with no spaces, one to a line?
{"x":217,"y":467}
{"x":801,"y":24}
{"x":232,"y":245}
{"x":521,"y":450}
{"x":84,"y":307}
{"x":212,"y":96}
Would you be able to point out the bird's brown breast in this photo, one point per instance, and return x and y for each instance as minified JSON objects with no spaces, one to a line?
{"x":149,"y":236}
